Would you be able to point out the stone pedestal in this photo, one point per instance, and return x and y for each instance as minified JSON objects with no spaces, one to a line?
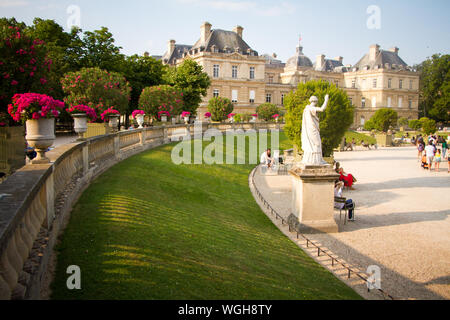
{"x":313,"y":199}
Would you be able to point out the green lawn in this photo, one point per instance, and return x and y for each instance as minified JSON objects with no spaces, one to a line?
{"x":359,"y":137}
{"x":148,"y":229}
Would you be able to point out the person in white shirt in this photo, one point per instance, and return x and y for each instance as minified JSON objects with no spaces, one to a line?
{"x":430,"y":150}
{"x":266,"y":158}
{"x":349,"y":204}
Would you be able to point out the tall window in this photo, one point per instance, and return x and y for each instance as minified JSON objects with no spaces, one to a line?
{"x":374,"y":83}
{"x":389,"y":83}
{"x":252,"y":72}
{"x":410,"y":103}
{"x":336,"y":83}
{"x":252,"y":96}
{"x":389,"y":102}
{"x":374,"y":102}
{"x":269,"y":98}
{"x":216,"y":93}
{"x":400,"y":84}
{"x":234,"y":72}
{"x":363,"y":121}
{"x":351,"y":101}
{"x":354,"y":83}
{"x":363,"y":83}
{"x":363,"y":102}
{"x":216,"y":69}
{"x":410,"y":84}
{"x":282,"y":98}
{"x":270,"y":79}
{"x":400,"y":102}
{"x":234,"y":96}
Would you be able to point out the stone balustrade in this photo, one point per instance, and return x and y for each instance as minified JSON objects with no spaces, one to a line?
{"x":36,"y":201}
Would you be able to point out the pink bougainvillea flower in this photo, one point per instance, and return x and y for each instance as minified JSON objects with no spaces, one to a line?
{"x":43,"y":81}
{"x":14,"y":83}
{"x":35,"y":116}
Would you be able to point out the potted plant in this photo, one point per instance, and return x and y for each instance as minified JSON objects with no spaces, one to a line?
{"x":162,"y":115}
{"x":38,"y":111}
{"x":231,"y":117}
{"x":207,"y":116}
{"x":276,"y":117}
{"x":80,"y":114}
{"x":185,"y":115}
{"x":111,"y":116}
{"x":138,"y":115}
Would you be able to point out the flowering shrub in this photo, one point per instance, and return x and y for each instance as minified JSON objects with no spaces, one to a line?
{"x":108,"y":112}
{"x":275,"y":116}
{"x":163,"y":113}
{"x":208,"y":115}
{"x":23,"y":64}
{"x":97,"y":89}
{"x":255,"y":115}
{"x":185,"y":114}
{"x":266,"y":111}
{"x":34,"y":106}
{"x":231,"y":115}
{"x":136,"y":112}
{"x":161,"y":98}
{"x":219,"y":108}
{"x":90,"y":113}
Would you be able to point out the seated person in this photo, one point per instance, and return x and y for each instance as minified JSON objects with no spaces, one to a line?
{"x":266,"y":158}
{"x":349,"y":204}
{"x":30,"y":153}
{"x":347,"y":178}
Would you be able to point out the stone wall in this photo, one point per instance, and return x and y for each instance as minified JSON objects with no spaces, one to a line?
{"x":36,"y":201}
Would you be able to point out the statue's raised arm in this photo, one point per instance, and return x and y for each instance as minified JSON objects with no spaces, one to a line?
{"x":325,"y":104}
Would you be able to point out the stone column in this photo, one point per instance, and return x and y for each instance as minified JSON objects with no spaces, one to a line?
{"x":313,"y":199}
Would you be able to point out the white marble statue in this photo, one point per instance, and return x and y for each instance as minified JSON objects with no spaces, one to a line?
{"x":311,"y":142}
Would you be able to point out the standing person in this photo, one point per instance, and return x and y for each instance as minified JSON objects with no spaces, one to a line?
{"x":437,"y":160}
{"x":420,"y":148}
{"x":444,"y":148}
{"x":429,"y":152}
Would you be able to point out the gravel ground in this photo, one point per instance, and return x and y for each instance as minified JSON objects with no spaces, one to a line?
{"x":402,"y":221}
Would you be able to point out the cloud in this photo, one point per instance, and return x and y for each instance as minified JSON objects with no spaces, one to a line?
{"x":13,"y":3}
{"x":254,"y":7}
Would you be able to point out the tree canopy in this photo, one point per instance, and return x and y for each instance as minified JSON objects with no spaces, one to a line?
{"x":382,"y":120}
{"x":192,"y":80}
{"x":334,"y":122}
{"x":435,"y":87}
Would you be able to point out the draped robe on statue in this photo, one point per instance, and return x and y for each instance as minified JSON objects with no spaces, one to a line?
{"x":311,"y":142}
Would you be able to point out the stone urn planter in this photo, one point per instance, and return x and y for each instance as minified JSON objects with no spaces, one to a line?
{"x":384,"y":140}
{"x":163,"y":118}
{"x":140,"y":120}
{"x":40,"y":136}
{"x":113,"y":121}
{"x":80,"y":124}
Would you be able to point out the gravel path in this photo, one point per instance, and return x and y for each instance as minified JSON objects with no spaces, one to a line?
{"x":402,"y":221}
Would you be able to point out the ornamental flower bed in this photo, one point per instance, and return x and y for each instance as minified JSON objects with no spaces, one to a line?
{"x":185,"y":114}
{"x":136,"y":112}
{"x":109,"y":112}
{"x":90,"y":113}
{"x":34,"y":106}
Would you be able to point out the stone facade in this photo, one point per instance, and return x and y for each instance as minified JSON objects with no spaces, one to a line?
{"x":380,"y":79}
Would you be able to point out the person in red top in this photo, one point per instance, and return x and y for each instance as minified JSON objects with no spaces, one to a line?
{"x":347,"y":178}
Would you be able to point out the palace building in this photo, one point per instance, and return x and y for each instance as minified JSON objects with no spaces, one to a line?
{"x":379,"y":79}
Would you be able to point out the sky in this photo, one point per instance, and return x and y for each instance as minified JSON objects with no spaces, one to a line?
{"x":335,"y":28}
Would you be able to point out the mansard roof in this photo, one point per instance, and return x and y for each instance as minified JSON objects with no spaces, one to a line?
{"x":384,"y":59}
{"x":224,"y":42}
{"x":177,"y":53}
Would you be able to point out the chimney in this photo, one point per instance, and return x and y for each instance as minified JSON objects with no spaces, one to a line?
{"x":340,"y":59}
{"x":170,"y":46}
{"x":205,"y":30}
{"x":238,"y":30}
{"x":373,"y":52}
{"x":394,"y":49}
{"x":320,"y":61}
